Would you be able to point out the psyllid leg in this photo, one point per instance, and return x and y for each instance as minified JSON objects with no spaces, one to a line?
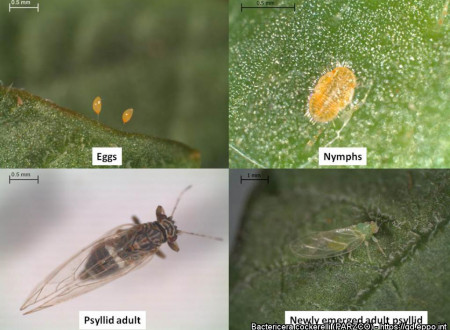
{"x":314,"y":139}
{"x":160,"y":254}
{"x":368,"y":252}
{"x":350,"y":256}
{"x":135,"y":220}
{"x":379,"y":247}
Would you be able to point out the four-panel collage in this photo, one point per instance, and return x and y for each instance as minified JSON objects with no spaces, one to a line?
{"x":258,"y":165}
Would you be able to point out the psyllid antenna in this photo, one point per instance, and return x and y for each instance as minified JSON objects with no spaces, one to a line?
{"x":179,"y":198}
{"x":199,"y":235}
{"x":186,"y":232}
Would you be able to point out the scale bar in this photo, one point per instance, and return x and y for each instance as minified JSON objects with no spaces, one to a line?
{"x":266,"y":7}
{"x":37,"y":179}
{"x":256,"y":179}
{"x":23,"y":7}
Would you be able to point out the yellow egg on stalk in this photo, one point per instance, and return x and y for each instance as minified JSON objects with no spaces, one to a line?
{"x":126,"y":116}
{"x":97,"y":106}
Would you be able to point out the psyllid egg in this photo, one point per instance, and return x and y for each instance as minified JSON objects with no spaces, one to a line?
{"x":332,"y":93}
{"x":126,"y":116}
{"x":97,"y":105}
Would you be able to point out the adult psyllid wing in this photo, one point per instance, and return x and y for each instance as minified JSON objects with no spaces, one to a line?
{"x":66,"y":281}
{"x":328,"y":244}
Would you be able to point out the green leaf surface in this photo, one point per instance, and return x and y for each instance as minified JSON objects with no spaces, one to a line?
{"x":398,"y":51}
{"x":411,"y":208}
{"x":37,"y":133}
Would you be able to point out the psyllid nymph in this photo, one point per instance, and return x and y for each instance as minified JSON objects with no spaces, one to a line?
{"x":332,"y":94}
{"x":333,"y":243}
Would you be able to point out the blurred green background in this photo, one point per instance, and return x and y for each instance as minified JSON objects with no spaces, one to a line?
{"x":398,"y":51}
{"x":167,"y":60}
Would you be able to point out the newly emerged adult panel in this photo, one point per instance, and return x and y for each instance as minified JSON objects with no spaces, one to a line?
{"x":113,"y":255}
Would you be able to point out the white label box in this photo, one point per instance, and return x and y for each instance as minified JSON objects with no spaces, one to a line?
{"x":114,"y":320}
{"x":356,"y":317}
{"x":106,"y":156}
{"x":342,"y":156}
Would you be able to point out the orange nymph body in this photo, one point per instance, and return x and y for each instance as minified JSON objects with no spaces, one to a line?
{"x":332,"y":93}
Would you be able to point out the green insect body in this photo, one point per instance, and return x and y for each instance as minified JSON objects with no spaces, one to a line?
{"x":332,"y":243}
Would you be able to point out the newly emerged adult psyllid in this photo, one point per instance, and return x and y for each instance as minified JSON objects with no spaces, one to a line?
{"x":113,"y":255}
{"x":332,"y":243}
